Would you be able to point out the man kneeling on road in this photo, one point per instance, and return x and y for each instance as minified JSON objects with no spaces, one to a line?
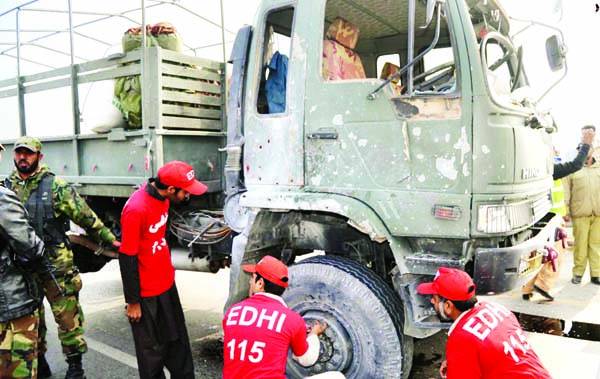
{"x":260,"y":330}
{"x":485,"y":339}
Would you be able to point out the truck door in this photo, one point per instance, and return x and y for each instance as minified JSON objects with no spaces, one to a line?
{"x":274,"y":113}
{"x":352,"y":144}
{"x":401,"y":153}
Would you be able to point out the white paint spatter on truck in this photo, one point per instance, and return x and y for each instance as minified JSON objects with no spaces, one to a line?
{"x":463,"y":144}
{"x":338,"y":120}
{"x":446,"y":167}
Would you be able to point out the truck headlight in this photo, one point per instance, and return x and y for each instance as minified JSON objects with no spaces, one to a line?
{"x":500,"y":218}
{"x":493,"y":219}
{"x":503,"y":218}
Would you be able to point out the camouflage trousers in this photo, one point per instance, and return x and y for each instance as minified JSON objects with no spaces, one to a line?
{"x":65,"y":308}
{"x":18,"y":347}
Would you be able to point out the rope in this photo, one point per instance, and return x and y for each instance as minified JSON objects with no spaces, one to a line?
{"x":199,"y":227}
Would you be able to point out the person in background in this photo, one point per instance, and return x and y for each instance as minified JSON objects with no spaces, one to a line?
{"x":561,"y":170}
{"x":544,"y":280}
{"x":582,"y":196}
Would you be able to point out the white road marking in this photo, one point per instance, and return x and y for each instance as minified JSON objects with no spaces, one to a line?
{"x":116,"y":354}
{"x":111,"y":352}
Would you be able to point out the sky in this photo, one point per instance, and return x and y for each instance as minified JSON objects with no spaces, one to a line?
{"x":573,"y":101}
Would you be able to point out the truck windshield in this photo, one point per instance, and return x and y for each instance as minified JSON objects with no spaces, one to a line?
{"x":532,"y":40}
{"x":513,"y":51}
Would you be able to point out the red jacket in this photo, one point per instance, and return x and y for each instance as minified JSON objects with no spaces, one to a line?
{"x":488,"y":342}
{"x":258,"y":333}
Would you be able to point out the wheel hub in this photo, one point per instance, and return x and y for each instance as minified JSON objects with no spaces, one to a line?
{"x":336,"y":345}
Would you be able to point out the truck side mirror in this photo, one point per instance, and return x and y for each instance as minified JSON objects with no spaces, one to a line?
{"x":556,"y":51}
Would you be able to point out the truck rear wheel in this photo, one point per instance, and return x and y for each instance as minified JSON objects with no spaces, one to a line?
{"x":365,"y":318}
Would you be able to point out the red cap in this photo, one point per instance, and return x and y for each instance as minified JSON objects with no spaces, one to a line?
{"x":449,"y":283}
{"x":181,"y":175}
{"x":270,"y":268}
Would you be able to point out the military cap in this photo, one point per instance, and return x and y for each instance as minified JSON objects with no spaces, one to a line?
{"x":30,"y":143}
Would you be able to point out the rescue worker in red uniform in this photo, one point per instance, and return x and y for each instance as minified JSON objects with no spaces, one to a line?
{"x":153,"y":305}
{"x":259,"y":331}
{"x":485,"y":339}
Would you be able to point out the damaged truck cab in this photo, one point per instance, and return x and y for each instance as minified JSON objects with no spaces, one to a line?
{"x":391,"y":138}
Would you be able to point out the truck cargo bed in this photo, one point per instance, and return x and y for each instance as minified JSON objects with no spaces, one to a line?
{"x":182,"y":113}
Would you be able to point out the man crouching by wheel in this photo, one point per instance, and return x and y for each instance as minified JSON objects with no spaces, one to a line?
{"x":260,"y":330}
{"x":485,"y":340}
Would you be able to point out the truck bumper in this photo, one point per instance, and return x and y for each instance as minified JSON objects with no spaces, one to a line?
{"x":499,"y":270}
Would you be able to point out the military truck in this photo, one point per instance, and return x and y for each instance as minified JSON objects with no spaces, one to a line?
{"x":400,"y":136}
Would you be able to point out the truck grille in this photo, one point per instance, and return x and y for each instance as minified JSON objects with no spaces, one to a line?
{"x":542,"y":206}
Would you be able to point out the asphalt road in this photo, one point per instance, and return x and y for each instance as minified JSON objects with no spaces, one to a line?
{"x":111,"y":352}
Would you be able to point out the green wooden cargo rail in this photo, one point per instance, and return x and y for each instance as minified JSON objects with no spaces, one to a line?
{"x":183,"y":113}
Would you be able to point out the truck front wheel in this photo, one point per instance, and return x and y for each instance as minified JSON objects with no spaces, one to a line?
{"x":365,"y":318}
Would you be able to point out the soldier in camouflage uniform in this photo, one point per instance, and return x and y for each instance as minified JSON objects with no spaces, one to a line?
{"x":21,"y":255}
{"x":50,"y":215}
{"x":18,"y":346}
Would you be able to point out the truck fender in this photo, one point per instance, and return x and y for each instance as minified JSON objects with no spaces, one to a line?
{"x":360,"y":216}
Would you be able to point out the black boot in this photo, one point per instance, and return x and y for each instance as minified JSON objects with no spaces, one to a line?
{"x":543,"y":293}
{"x":75,"y":370}
{"x":43,"y":367}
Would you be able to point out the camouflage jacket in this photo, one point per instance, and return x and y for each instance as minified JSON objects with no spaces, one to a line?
{"x":67,"y":203}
